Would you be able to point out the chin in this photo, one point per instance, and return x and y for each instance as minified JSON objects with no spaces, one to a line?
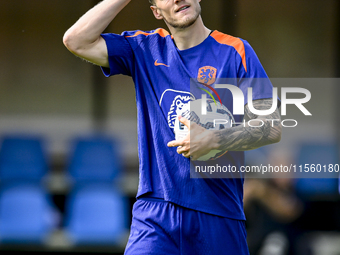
{"x":189,"y":21}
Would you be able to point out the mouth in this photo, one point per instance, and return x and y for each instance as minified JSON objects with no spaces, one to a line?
{"x":182,"y":8}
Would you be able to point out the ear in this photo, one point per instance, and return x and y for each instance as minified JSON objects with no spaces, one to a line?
{"x":156,"y":12}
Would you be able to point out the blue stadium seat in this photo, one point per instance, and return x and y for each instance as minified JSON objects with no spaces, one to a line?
{"x":96,"y":214}
{"x":22,"y":158}
{"x":94,"y":159}
{"x":322,"y":154}
{"x":26,"y":214}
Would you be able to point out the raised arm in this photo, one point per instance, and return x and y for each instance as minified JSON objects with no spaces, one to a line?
{"x":83,"y":38}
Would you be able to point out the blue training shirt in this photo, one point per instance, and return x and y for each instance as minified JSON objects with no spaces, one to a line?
{"x":162,"y":74}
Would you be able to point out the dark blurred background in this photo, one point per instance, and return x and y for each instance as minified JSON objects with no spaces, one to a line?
{"x":71,"y":113}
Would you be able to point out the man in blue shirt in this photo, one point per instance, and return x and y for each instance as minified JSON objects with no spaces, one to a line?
{"x":174,"y":213}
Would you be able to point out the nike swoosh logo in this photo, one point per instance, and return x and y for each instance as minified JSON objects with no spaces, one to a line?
{"x":160,"y":64}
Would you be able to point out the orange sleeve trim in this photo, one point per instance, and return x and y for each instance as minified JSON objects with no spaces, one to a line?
{"x":162,"y":32}
{"x":231,"y":41}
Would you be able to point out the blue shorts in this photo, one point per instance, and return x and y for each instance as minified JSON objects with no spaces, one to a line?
{"x":159,"y":227}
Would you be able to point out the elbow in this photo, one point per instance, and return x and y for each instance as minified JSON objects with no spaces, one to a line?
{"x":277,"y":138}
{"x":70,"y":42}
{"x":278,"y":135}
{"x":67,"y":40}
{"x":273,"y":133}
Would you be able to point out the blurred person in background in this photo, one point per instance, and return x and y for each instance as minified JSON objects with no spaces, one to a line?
{"x":272,"y":208}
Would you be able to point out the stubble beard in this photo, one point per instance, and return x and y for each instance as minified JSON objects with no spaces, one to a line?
{"x":184,"y":23}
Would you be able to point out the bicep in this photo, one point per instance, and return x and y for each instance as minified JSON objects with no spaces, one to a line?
{"x":95,"y":53}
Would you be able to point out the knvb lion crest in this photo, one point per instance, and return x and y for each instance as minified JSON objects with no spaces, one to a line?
{"x":207,"y":75}
{"x":176,"y":107}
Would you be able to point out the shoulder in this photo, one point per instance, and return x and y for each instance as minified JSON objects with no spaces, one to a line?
{"x":151,"y":38}
{"x":135,"y":38}
{"x":240,"y":45}
{"x":226,"y":39}
{"x":142,"y":34}
{"x":136,"y":35}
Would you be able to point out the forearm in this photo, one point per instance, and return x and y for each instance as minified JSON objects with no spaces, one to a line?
{"x":88,"y":28}
{"x":263,"y":131}
{"x":200,"y":141}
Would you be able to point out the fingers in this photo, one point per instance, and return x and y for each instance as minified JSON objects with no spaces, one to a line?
{"x":181,"y":144}
{"x":184,"y":121}
{"x":186,"y":155}
{"x":175,"y":143}
{"x":184,"y":151}
{"x":182,"y":147}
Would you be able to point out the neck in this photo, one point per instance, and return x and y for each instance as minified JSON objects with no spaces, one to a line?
{"x":191,"y":36}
